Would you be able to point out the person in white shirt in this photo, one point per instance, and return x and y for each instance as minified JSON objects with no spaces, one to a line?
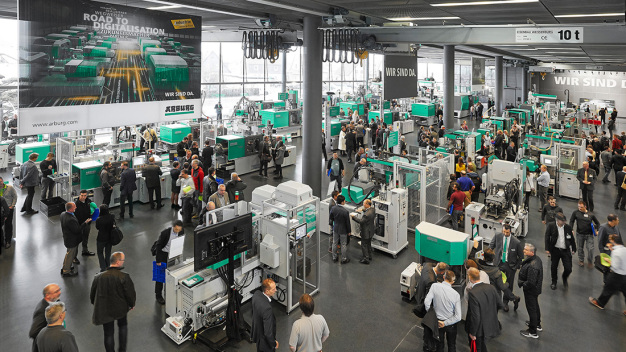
{"x":310,"y":331}
{"x":616,"y":280}
{"x":447,"y":304}
{"x":543,"y":182}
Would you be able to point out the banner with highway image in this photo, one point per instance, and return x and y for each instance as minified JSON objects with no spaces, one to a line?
{"x":78,"y":58}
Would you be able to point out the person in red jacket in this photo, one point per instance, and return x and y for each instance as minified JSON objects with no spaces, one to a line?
{"x":198,"y":175}
{"x":617,"y":143}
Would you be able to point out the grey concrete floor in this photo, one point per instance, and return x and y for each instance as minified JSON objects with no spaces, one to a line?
{"x":361,"y":303}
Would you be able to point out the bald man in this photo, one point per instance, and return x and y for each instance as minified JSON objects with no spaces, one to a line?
{"x":51,"y":294}
{"x":587,"y":178}
{"x":152,"y":173}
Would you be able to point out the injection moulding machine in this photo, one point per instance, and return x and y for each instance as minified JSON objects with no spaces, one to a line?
{"x":234,"y":153}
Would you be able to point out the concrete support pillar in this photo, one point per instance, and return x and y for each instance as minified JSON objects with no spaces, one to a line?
{"x":367,"y":73}
{"x":448,"y":86}
{"x":312,"y":114}
{"x":499,"y":92}
{"x":524,"y":84}
{"x":283,"y":77}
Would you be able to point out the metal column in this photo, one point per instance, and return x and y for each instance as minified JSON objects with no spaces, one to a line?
{"x":448,"y":86}
{"x":283,"y":78}
{"x":499,"y":93}
{"x":524,"y":84}
{"x":312,"y":114}
{"x":367,"y":73}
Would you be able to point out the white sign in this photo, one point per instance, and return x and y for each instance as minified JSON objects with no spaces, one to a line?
{"x":176,"y":247}
{"x":541,"y":35}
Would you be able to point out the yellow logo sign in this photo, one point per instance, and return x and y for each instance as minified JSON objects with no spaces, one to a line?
{"x":183,"y":24}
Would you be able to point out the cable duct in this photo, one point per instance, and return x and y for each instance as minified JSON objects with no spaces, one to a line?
{"x":342,"y":46}
{"x":261,"y":45}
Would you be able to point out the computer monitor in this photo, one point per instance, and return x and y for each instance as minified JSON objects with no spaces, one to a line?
{"x":300,"y":231}
{"x":211,"y":242}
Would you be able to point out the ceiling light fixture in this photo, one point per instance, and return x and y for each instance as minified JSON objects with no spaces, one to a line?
{"x":613,"y":14}
{"x":167,"y":7}
{"x":289,"y":7}
{"x":421,"y":18}
{"x":478,"y":3}
{"x":200,"y":8}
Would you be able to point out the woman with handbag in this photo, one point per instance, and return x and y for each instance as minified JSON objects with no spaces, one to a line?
{"x":104,"y":225}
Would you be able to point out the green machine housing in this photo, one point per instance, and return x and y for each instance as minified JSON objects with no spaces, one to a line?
{"x":88,"y":173}
{"x":388,"y":116}
{"x":235,"y":145}
{"x":502,"y":123}
{"x":335,"y":127}
{"x":360,"y":107}
{"x":477,"y":137}
{"x":441,"y":244}
{"x":23,"y":151}
{"x":278,"y":118}
{"x":174,"y":133}
{"x":423,"y":109}
{"x":521,"y":115}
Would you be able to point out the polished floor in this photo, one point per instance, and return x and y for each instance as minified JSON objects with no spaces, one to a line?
{"x":361,"y":303}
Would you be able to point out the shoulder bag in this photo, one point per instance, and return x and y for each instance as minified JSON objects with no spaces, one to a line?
{"x":116,"y":234}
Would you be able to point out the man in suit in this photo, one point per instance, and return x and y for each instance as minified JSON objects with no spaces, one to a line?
{"x":511,"y":152}
{"x":531,"y":279}
{"x":431,"y":273}
{"x":29,"y":179}
{"x":265,"y":156}
{"x":340,"y":218}
{"x":263,"y":319}
{"x":560,"y":245}
{"x":220,"y":198}
{"x":152,"y":173}
{"x":82,"y":213}
{"x":72,"y":237}
{"x":367,"y":230}
{"x":51,"y":294}
{"x":587,"y":178}
{"x":127,"y":187}
{"x":163,"y":251}
{"x":482,"y":311}
{"x":207,"y":156}
{"x":350,"y":144}
{"x":108,"y":180}
{"x":508,"y":256}
{"x":620,"y":200}
{"x":54,"y":337}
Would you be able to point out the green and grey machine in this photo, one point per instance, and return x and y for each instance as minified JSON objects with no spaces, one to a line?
{"x":174,"y":133}
{"x":521,"y":115}
{"x":424,"y":113}
{"x":23,"y":151}
{"x":462,"y":106}
{"x":570,"y":158}
{"x":86,"y":175}
{"x":441,"y":244}
{"x":274,"y":117}
{"x":373,"y":115}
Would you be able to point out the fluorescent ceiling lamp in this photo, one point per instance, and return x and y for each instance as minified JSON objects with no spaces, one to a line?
{"x":167,"y":7}
{"x":576,"y":48}
{"x":523,"y":49}
{"x":289,"y":7}
{"x":421,"y":18}
{"x":200,"y":8}
{"x":613,"y":14}
{"x":478,"y":3}
{"x":509,"y":45}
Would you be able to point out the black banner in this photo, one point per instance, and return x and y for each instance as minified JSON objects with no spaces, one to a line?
{"x":400,"y":77}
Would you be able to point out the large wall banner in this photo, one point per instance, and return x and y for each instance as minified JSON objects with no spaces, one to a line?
{"x":86,"y":65}
{"x":400,"y":77}
{"x":478,"y":73}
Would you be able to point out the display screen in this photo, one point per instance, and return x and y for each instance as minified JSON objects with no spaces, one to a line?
{"x":300,"y":231}
{"x":211,"y":243}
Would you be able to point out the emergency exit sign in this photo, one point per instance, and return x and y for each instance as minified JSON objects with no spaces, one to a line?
{"x":541,"y":35}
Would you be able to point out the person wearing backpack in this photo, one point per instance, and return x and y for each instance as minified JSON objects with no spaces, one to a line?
{"x":162,"y":246}
{"x":104,"y":225}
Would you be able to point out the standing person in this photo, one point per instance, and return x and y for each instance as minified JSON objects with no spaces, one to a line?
{"x":218,"y":110}
{"x":620,"y":180}
{"x":611,"y":128}
{"x":7,"y":192}
{"x":496,"y":279}
{"x":543,"y":182}
{"x":360,"y":134}
{"x":54,"y":337}
{"x":602,"y":114}
{"x":82,"y":213}
{"x":265,"y":156}
{"x":334,"y":168}
{"x":616,"y":279}
{"x":51,"y":294}
{"x":606,"y":156}
{"x":163,"y":251}
{"x":499,"y":144}
{"x":47,"y":166}
{"x":72,"y":237}
{"x":549,"y":211}
{"x":340,"y":218}
{"x":152,"y":173}
{"x":529,"y":187}
{"x":263,"y":319}
{"x":479,"y":111}
{"x":614,"y":114}
{"x":341,"y":145}
{"x":587,"y":178}
{"x":187,"y":188}
{"x":220,"y":198}
{"x":482,"y":311}
{"x":560,"y":245}
{"x":108,"y":180}
{"x":113,"y":296}
{"x":618,"y":161}
{"x":331,"y":203}
{"x":147,"y":137}
{"x":127,"y":187}
{"x":511,"y":152}
{"x":175,"y":173}
{"x":456,"y":201}
{"x":366,"y":222}
{"x":209,"y":185}
{"x":508,"y":256}
{"x":467,"y":186}
{"x":310,"y":331}
{"x":235,"y":188}
{"x":279,"y":151}
{"x":104,"y":224}
{"x":606,"y":230}
{"x":531,"y":280}
{"x":586,"y":228}
{"x":180,"y":149}
{"x":207,"y":156}
{"x":29,"y":178}
{"x":350,"y":143}
{"x":447,"y":305}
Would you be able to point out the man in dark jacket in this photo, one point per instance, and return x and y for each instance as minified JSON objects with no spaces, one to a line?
{"x":72,"y":237}
{"x":265,"y":156}
{"x":128,"y":185}
{"x":495,"y":279}
{"x":83,"y":212}
{"x":549,"y":211}
{"x":508,"y":253}
{"x":587,"y":178}
{"x":207,"y":156}
{"x":279,"y":158}
{"x":47,"y":166}
{"x":499,"y":145}
{"x":152,"y":173}
{"x":482,"y":322}
{"x":235,"y":188}
{"x":531,"y":279}
{"x":108,"y":180}
{"x":209,"y":185}
{"x":560,"y":245}
{"x":163,"y":252}
{"x":113,"y":296}
{"x":54,"y":337}
{"x":366,"y":222}
{"x":29,"y":179}
{"x":340,"y":218}
{"x":620,"y":200}
{"x":180,"y":148}
{"x":431,"y":273}
{"x":350,"y":144}
{"x":511,"y":152}
{"x":263,"y":319}
{"x":618,"y":162}
{"x":336,"y":169}
{"x":51,"y":294}
{"x":587,"y":226}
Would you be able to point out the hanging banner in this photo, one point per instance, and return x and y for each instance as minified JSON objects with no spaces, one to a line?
{"x":87,"y":65}
{"x":478,"y":73}
{"x":400,"y":77}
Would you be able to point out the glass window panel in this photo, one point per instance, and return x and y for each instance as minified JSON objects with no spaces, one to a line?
{"x":436,"y":71}
{"x":335,"y":87}
{"x":293,"y":65}
{"x":254,"y":70}
{"x":325,"y":71}
{"x":272,"y":90}
{"x":275,"y":70}
{"x":422,"y":70}
{"x":210,"y":62}
{"x":335,"y":71}
{"x":232,"y":62}
{"x":348,"y":72}
{"x":231,"y":93}
{"x":255,"y":91}
{"x":359,"y":71}
{"x":211,"y":93}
